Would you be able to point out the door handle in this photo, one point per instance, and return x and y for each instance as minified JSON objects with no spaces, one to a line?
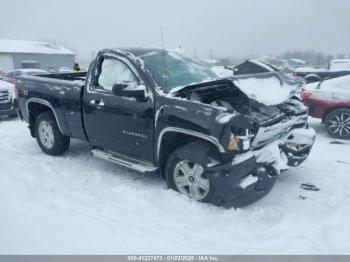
{"x":97,"y":102}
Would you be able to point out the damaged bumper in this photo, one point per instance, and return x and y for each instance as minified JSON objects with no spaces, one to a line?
{"x":253,"y":174}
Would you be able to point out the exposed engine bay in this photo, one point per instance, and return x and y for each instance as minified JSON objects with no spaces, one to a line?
{"x":225,"y":95}
{"x":266,"y":123}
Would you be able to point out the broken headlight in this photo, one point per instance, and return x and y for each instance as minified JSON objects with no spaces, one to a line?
{"x":240,"y":143}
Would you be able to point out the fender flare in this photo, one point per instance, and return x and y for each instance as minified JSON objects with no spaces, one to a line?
{"x":45,"y":103}
{"x":200,"y":135}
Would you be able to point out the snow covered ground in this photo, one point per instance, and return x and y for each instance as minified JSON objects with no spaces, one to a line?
{"x":78,"y":204}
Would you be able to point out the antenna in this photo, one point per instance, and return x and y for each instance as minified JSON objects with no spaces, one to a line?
{"x":163,"y":53}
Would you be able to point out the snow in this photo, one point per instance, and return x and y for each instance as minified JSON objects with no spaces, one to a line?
{"x":5,"y":85}
{"x":298,"y":61}
{"x":32,"y":71}
{"x":302,"y":69}
{"x":8,"y":86}
{"x":224,"y":118}
{"x":261,"y":64}
{"x":248,"y":180}
{"x":221,"y":71}
{"x":261,"y":89}
{"x":76,"y":204}
{"x":22,"y":46}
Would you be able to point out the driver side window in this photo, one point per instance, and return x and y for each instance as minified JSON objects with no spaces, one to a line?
{"x":114,"y":71}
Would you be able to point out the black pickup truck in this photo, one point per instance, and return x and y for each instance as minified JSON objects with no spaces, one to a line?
{"x":221,"y":141}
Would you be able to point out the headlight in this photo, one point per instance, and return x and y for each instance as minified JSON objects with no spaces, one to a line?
{"x":240,"y":143}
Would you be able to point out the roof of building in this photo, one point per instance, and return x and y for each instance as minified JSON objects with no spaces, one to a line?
{"x":32,"y":47}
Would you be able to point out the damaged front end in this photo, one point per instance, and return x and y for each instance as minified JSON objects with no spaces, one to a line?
{"x":265,"y":132}
{"x":251,"y":175}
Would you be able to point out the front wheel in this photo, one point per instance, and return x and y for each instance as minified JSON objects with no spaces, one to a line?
{"x":338,"y":123}
{"x":49,"y":136}
{"x":186,"y":172}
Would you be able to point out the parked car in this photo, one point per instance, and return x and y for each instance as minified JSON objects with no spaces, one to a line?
{"x":312,"y":75}
{"x":7,"y":99}
{"x":330,"y":101}
{"x":255,"y":66}
{"x":339,"y":65}
{"x":12,"y":75}
{"x":252,"y":66}
{"x":222,"y":141}
{"x":293,"y":63}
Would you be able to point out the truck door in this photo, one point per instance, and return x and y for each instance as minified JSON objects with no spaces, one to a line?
{"x":121,"y":123}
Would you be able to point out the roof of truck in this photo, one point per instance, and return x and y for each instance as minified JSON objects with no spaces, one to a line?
{"x":141,"y":51}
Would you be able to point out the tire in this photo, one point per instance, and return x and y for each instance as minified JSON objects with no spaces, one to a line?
{"x":194,"y":182}
{"x":338,"y":123}
{"x":49,"y":136}
{"x":312,"y":78}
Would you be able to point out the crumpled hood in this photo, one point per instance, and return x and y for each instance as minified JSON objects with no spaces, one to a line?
{"x":268,"y":89}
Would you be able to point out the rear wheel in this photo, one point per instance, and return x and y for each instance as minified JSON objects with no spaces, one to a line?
{"x":49,"y":136}
{"x":338,"y":123}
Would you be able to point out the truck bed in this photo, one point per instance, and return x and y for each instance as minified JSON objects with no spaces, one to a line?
{"x":67,"y":76}
{"x":60,"y":92}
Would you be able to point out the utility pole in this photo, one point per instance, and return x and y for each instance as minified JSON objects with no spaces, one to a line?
{"x":211,"y":56}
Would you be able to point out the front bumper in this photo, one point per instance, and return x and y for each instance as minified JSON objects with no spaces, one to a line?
{"x":8,"y":109}
{"x":8,"y":112}
{"x":252,"y":175}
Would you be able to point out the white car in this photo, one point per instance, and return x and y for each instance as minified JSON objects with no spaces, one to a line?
{"x":339,"y":65}
{"x":7,"y":99}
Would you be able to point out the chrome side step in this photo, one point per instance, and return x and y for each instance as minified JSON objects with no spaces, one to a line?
{"x":124,"y":161}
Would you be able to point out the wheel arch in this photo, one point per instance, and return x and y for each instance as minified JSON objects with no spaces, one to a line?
{"x":330,"y":110}
{"x":312,"y":75}
{"x":171,"y":138}
{"x":36,"y":106}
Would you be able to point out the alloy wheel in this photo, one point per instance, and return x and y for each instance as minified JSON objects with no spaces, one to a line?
{"x":191,"y":180}
{"x":339,"y":124}
{"x":46,"y":134}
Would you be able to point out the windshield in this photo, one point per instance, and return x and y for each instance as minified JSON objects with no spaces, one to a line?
{"x":173,"y":69}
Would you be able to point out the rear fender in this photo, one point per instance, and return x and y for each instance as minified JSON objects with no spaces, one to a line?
{"x":44,"y":106}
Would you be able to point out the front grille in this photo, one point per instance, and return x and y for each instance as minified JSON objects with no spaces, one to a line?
{"x":4,"y":97}
{"x":5,"y":106}
{"x":5,"y":100}
{"x":267,"y":134}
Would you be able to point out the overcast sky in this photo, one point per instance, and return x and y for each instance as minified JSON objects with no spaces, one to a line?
{"x":228,"y":27}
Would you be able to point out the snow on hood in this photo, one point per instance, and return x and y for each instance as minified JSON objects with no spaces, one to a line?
{"x":340,"y":84}
{"x":332,"y":90}
{"x":5,"y":85}
{"x":269,"y":91}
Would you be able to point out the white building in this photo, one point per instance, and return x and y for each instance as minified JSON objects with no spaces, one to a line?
{"x":15,"y":54}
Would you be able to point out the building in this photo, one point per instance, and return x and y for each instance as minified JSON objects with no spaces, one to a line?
{"x":16,"y":54}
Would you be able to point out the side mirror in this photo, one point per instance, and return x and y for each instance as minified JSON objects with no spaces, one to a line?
{"x":118,"y":88}
{"x":130,"y":90}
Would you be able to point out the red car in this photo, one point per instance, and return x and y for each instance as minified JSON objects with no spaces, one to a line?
{"x":330,"y":101}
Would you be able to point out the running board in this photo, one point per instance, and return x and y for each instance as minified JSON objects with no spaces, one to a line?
{"x":124,"y":161}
